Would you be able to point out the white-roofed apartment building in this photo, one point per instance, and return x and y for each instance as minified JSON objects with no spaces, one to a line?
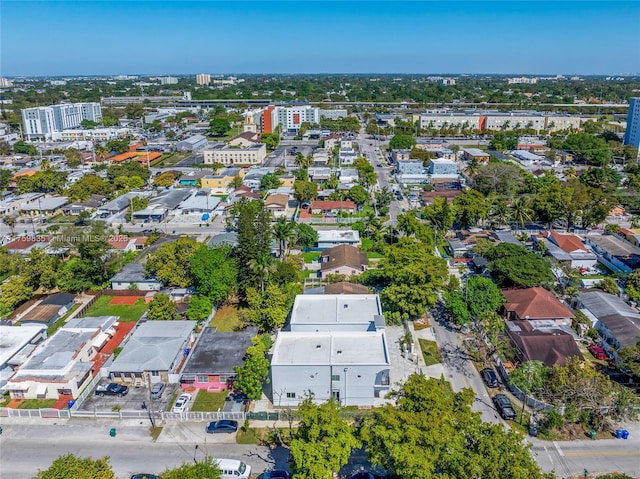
{"x":334,"y":347}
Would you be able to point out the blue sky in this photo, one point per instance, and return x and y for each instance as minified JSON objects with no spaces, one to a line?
{"x":151,"y":37}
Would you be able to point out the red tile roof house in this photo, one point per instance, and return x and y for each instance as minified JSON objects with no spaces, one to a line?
{"x":536,"y":305}
{"x":127,"y":243}
{"x":23,"y":244}
{"x":332,"y":207}
{"x":569,"y":249}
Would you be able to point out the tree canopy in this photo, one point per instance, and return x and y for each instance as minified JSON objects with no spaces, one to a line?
{"x":171,"y":264}
{"x":161,"y":308}
{"x":514,"y":265}
{"x":198,"y":470}
{"x":402,"y":142}
{"x":433,"y":432}
{"x":70,"y":466}
{"x":254,"y":372}
{"x":323,"y":442}
{"x":214,"y":272}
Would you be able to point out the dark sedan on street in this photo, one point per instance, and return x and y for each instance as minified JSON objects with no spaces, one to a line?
{"x":224,"y":425}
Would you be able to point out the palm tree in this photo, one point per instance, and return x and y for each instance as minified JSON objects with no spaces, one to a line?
{"x":283,"y":231}
{"x":520,"y":211}
{"x":262,"y":266}
{"x":500,"y":213}
{"x":101,"y":151}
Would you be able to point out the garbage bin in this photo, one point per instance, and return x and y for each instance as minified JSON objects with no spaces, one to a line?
{"x":625,"y":434}
{"x":112,"y":432}
{"x":618,"y":433}
{"x":533,"y":430}
{"x":592,"y":434}
{"x":71,"y":403}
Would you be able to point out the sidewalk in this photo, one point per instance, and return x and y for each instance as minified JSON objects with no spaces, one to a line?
{"x":434,"y":371}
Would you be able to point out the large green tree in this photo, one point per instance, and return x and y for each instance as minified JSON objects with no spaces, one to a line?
{"x":254,"y":241}
{"x":214,"y":272}
{"x":70,"y":466}
{"x":410,"y":277}
{"x":514,"y":265}
{"x":432,"y":432}
{"x":268,"y":309}
{"x":199,"y":309}
{"x":323,"y":442}
{"x":161,"y":308}
{"x":630,"y":358}
{"x":402,"y":142}
{"x":254,"y":371}
{"x":171,"y":262}
{"x":470,"y":207}
{"x":483,"y":296}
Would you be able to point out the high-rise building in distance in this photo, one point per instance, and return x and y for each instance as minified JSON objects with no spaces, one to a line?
{"x":632,"y":134}
{"x":41,"y":122}
{"x":203,"y":79}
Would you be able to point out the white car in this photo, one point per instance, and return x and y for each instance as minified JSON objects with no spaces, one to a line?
{"x":182,"y":403}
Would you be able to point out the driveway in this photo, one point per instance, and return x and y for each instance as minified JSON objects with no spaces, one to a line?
{"x":131,"y":402}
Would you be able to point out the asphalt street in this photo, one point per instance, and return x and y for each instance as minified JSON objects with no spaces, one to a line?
{"x":27,"y":447}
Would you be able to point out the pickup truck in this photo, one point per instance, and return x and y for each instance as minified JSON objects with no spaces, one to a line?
{"x":111,"y":389}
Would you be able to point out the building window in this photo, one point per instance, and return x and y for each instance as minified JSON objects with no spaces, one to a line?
{"x":154,"y":373}
{"x":335,"y":377}
{"x":291,"y":395}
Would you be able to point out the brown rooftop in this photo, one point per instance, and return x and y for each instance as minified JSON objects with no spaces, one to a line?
{"x":534,"y":303}
{"x":551,"y":346}
{"x":344,"y":287}
{"x":343,"y":255}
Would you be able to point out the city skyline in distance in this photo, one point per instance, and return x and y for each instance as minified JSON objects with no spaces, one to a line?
{"x":160,"y":38}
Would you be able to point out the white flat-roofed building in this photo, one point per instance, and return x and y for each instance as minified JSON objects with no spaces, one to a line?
{"x":193,"y":143}
{"x":98,"y":134}
{"x":527,"y":158}
{"x":16,"y":343}
{"x":43,"y":121}
{"x":63,"y":363}
{"x":331,"y":238}
{"x":336,"y":312}
{"x":335,"y":347}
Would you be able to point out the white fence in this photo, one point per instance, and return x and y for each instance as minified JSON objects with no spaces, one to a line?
{"x":165,"y":416}
{"x":88,"y":390}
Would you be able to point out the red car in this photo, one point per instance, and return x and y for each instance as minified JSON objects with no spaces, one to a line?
{"x":597,"y":351}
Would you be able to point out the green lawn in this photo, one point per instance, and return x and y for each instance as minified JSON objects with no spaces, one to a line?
{"x":172,"y":159}
{"x":430,"y":352}
{"x":227,"y":318}
{"x":374,"y":255}
{"x":127,"y":313}
{"x":309,"y":256}
{"x":37,"y":403}
{"x":209,"y":402}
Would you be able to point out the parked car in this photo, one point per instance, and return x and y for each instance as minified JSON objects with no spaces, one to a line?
{"x":182,"y":403}
{"x":277,"y":474}
{"x":489,"y":377}
{"x":232,"y":468}
{"x":145,"y":476}
{"x":111,"y":389}
{"x":597,"y":351}
{"x":157,"y":390}
{"x":224,"y":425}
{"x":504,"y":407}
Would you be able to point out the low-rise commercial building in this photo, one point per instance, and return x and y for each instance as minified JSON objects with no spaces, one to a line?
{"x":253,"y":154}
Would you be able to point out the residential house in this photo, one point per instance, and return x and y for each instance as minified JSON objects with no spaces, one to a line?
{"x":127,"y":243}
{"x":614,"y":253}
{"x":24,"y":244}
{"x":221,"y":180}
{"x":475,"y":154}
{"x":16,"y":344}
{"x":334,"y":347}
{"x":154,"y":352}
{"x":47,"y":206}
{"x":568,"y":249}
{"x":320,"y":158}
{"x":200,"y":203}
{"x":465,"y":241}
{"x":616,"y":322}
{"x":411,"y":171}
{"x":120,"y":204}
{"x":132,"y":276}
{"x":319,"y":175}
{"x":536,"y":305}
{"x":12,"y":205}
{"x":332,"y":208}
{"x":330,"y":238}
{"x":348,"y":176}
{"x":49,"y":310}
{"x":90,"y":204}
{"x":344,"y":287}
{"x":346,"y":156}
{"x":343,"y":259}
{"x":400,"y":155}
{"x":192,"y":178}
{"x":211,"y":365}
{"x":164,"y":203}
{"x":63,"y":364}
{"x":553,"y":346}
{"x":277,"y":204}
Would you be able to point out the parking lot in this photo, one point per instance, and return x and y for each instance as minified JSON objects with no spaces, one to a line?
{"x":131,"y":402}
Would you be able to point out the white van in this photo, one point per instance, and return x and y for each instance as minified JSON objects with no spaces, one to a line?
{"x":232,"y":468}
